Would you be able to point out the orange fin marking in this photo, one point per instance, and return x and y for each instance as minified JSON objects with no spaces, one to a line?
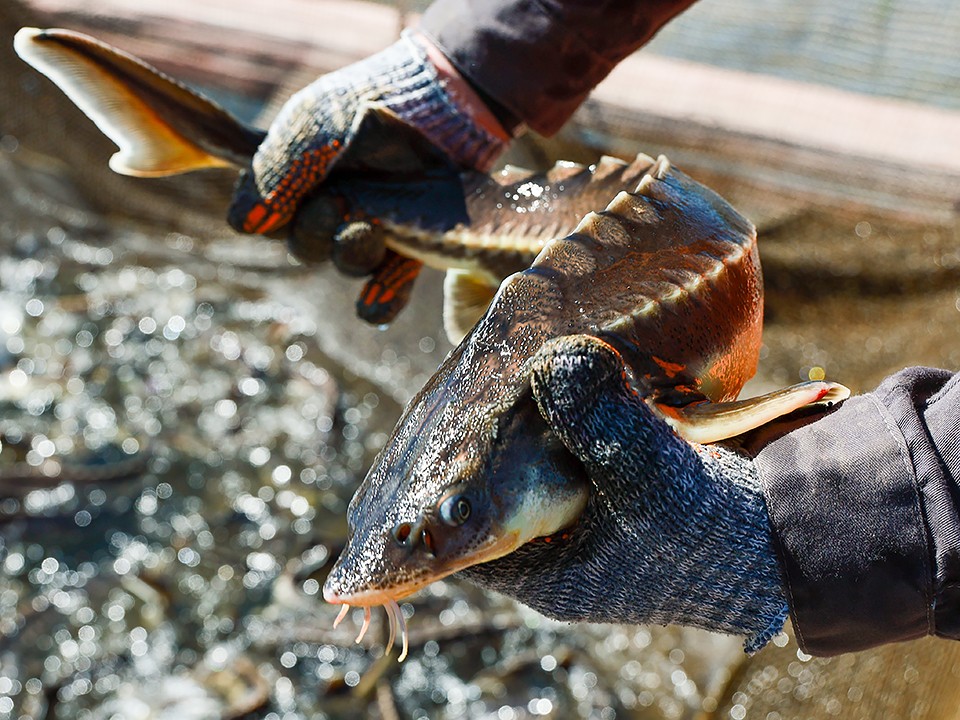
{"x":670,"y":369}
{"x":669,"y":411}
{"x":387,"y":292}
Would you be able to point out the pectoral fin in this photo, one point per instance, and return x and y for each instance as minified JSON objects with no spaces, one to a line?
{"x":466,"y":298}
{"x":706,"y":422}
{"x":386,"y":293}
{"x":161,"y":126}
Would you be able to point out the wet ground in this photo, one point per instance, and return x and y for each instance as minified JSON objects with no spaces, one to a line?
{"x":178,"y":451}
{"x":183,"y":423}
{"x":184,"y":415}
{"x":183,"y":420}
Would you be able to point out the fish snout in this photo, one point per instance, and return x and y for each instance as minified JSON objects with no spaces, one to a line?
{"x":399,"y":563}
{"x":345,"y":586}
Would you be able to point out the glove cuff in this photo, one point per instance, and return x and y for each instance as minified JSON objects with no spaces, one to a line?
{"x":755,"y":642}
{"x":744,"y":589}
{"x":419,"y":96}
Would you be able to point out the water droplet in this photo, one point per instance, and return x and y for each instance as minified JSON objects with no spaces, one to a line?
{"x":34,"y":307}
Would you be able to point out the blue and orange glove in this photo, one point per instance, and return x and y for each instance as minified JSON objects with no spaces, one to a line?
{"x":672,"y":533}
{"x":382,"y":138}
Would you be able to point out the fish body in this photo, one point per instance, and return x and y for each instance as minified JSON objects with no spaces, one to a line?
{"x":478,"y":228}
{"x":670,"y":276}
{"x":513,"y":213}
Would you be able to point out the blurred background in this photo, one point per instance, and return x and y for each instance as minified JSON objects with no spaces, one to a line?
{"x":185,"y":413}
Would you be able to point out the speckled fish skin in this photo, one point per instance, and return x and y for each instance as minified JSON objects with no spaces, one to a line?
{"x":165,"y":128}
{"x":669,"y":275}
{"x":477,"y":227}
{"x":514,"y":213}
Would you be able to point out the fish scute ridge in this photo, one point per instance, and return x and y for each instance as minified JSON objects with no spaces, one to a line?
{"x":675,"y":283}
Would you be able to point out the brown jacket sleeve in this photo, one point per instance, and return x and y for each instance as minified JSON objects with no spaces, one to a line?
{"x":864,"y":506}
{"x":538,"y":59}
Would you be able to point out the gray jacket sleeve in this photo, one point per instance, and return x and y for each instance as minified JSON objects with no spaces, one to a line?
{"x":864,"y":507}
{"x":538,"y":59}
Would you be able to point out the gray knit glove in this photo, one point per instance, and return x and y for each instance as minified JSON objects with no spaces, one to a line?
{"x":672,"y":533}
{"x":318,"y":125}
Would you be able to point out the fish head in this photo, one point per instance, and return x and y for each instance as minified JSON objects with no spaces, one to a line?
{"x":458,"y":484}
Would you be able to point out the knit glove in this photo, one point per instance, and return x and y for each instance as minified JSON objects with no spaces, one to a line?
{"x":673,"y":533}
{"x":392,"y":114}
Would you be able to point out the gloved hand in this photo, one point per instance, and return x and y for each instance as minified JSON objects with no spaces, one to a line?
{"x":672,"y":533}
{"x":409,"y":81}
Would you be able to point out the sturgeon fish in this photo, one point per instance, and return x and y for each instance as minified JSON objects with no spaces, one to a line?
{"x":478,"y":228}
{"x":669,"y":275}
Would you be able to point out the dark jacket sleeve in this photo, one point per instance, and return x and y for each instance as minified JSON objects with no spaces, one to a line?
{"x":539,"y":59}
{"x":864,"y":507}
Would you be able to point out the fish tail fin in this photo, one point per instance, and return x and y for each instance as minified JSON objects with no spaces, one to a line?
{"x":160,"y":126}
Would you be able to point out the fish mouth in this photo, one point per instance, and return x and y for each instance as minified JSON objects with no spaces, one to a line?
{"x":374,"y":598}
{"x":369,"y":597}
{"x":388,"y":597}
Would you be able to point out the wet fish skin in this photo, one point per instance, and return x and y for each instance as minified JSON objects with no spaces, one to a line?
{"x":477,"y":227}
{"x":519,"y":480}
{"x":669,"y":275}
{"x":474,"y":429}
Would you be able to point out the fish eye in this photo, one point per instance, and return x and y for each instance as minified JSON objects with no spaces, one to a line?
{"x":455,"y":510}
